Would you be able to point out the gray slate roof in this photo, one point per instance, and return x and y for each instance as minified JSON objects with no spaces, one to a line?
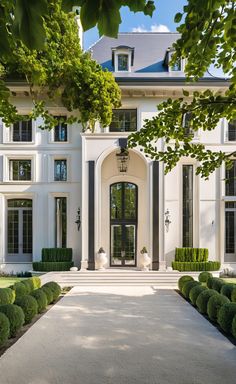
{"x":149,"y":53}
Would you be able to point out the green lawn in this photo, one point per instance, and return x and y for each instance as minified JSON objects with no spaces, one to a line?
{"x":6,"y":281}
{"x":230,"y":279}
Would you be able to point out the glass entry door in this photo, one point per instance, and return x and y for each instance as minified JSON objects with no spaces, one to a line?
{"x":123,"y":222}
{"x":19,"y":230}
{"x":230,"y":232}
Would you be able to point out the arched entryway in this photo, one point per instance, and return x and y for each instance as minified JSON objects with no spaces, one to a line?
{"x":123,"y":224}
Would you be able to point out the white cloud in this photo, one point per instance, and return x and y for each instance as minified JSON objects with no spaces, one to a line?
{"x":153,"y":28}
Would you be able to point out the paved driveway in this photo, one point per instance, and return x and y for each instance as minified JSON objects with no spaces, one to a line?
{"x":119,"y":335}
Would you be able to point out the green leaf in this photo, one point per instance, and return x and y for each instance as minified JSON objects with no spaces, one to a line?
{"x":178,"y":17}
{"x":29,"y":22}
{"x":109,"y":18}
{"x":89,"y":13}
{"x":185,"y":93}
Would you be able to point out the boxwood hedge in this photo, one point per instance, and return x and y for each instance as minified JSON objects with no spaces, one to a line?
{"x":182,"y":280}
{"x":188,"y":285}
{"x":227,"y":289}
{"x":218,"y":284}
{"x":36,"y":281}
{"x":4,"y":328}
{"x":41,"y":299}
{"x":203,"y":298}
{"x":20,"y":289}
{"x":29,"y":306}
{"x":225,"y":316}
{"x":214,"y":304}
{"x":195,"y":292}
{"x":15,"y":316}
{"x":55,"y":288}
{"x":48,"y":293}
{"x":204,"y":276}
{"x":7,"y":296}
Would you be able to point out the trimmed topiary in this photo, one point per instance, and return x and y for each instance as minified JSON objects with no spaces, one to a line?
{"x":20,"y":290}
{"x":195,"y":292}
{"x":214,"y":304}
{"x":36,"y":282}
{"x":55,"y":288}
{"x":30,"y":307}
{"x":209,"y":282}
{"x":225,"y":316}
{"x":233,"y":295}
{"x":204,"y":276}
{"x":15,"y":316}
{"x":48,"y":293}
{"x":183,"y":280}
{"x":4,"y":328}
{"x":227,"y":290}
{"x":188,"y":285}
{"x":7,"y":296}
{"x":41,"y":298}
{"x":218,"y":284}
{"x":29,"y":285}
{"x":234,"y":327}
{"x":203,"y":298}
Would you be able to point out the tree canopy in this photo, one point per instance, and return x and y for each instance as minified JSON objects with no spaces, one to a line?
{"x":60,"y":72}
{"x":208,"y":36}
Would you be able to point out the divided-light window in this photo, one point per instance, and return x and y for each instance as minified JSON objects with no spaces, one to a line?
{"x":22,"y":131}
{"x":20,"y":170}
{"x":123,"y":62}
{"x":124,"y":120}
{"x":60,"y":130}
{"x":232,"y":130}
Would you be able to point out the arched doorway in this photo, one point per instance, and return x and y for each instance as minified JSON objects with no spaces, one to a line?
{"x":123,"y":224}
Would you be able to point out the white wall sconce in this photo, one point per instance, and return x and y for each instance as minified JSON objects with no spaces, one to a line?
{"x":167,"y":220}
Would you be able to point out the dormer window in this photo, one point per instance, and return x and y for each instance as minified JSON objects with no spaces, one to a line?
{"x":178,"y":66}
{"x":122,"y":58}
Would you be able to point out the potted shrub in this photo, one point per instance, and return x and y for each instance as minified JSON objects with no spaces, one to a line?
{"x":101,"y":259}
{"x":145,"y":260}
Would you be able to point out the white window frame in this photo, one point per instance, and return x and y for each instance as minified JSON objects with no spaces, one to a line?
{"x":8,"y":135}
{"x":52,"y":164}
{"x":226,"y":133}
{"x":6,"y":168}
{"x":182,"y":64}
{"x":52,"y":134}
{"x":122,"y":52}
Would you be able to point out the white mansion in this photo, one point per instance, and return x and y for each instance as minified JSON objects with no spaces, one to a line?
{"x":45,"y":177}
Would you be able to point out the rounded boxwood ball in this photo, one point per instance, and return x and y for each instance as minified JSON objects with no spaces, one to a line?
{"x":55,"y":288}
{"x":233,"y":295}
{"x":218,"y":284}
{"x":7,"y":296}
{"x":41,"y":298}
{"x":203,"y":298}
{"x":209,"y":282}
{"x":227,"y":289}
{"x":183,"y":280}
{"x":15,"y":316}
{"x":225,"y":316}
{"x":36,"y":282}
{"x":4,"y":328}
{"x":48,"y":293}
{"x":20,"y":290}
{"x":30,"y":307}
{"x":214,"y":304}
{"x":234,"y":327}
{"x":195,"y":292}
{"x":204,"y":276}
{"x":188,"y":286}
{"x":29,"y":285}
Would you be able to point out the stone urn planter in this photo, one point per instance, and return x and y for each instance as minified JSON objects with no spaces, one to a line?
{"x":145,"y":260}
{"x":101,"y":259}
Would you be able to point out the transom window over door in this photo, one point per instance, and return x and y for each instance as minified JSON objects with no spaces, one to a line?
{"x":123,"y":221}
{"x":124,"y":120}
{"x":19,"y":230}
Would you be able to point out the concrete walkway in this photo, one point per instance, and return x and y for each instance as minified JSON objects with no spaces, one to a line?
{"x":119,"y":335}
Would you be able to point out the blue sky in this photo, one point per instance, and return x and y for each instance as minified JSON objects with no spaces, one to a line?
{"x":162,"y":20}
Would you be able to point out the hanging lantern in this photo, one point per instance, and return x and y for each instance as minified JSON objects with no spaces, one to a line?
{"x":122,"y":160}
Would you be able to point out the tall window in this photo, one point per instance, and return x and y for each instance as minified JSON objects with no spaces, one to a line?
{"x":22,"y":131}
{"x":60,"y":170}
{"x":61,"y":222}
{"x":60,"y":130}
{"x":123,"y":62}
{"x":187,"y":206}
{"x":230,"y":182}
{"x":124,"y":120}
{"x":20,"y":170}
{"x":232,"y":130}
